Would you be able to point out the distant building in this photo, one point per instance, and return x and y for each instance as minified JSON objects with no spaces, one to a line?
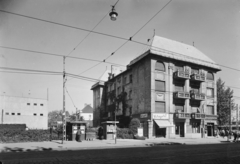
{"x":171,"y":89}
{"x":87,"y":114}
{"x":21,"y":110}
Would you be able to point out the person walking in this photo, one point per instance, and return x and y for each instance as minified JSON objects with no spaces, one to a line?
{"x":51,"y":130}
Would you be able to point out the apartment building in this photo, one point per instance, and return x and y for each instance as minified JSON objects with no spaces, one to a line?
{"x":171,"y":89}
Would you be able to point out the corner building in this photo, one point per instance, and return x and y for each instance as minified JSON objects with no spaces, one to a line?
{"x":171,"y":89}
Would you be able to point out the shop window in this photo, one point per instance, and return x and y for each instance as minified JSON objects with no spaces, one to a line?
{"x":13,"y":113}
{"x":35,"y":114}
{"x":210,"y":76}
{"x":41,"y":114}
{"x":159,"y":85}
{"x":210,"y":110}
{"x":160,"y":107}
{"x":160,"y":66}
{"x":41,"y":104}
{"x":19,"y":114}
{"x":7,"y":113}
{"x":28,"y":103}
{"x":35,"y":104}
{"x":210,"y":92}
{"x":195,"y":127}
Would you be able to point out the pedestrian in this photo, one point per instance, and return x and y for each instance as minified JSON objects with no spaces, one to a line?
{"x":51,"y":130}
{"x":100,"y":132}
{"x":78,"y":135}
{"x":235,"y":136}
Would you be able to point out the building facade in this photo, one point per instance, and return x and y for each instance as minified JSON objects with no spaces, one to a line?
{"x":21,"y":110}
{"x":171,"y":89}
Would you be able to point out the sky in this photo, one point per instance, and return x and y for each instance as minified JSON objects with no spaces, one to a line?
{"x":213,"y":26}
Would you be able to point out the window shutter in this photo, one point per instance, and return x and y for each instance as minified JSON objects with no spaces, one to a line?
{"x":159,"y":85}
{"x":160,"y":66}
{"x":160,"y":107}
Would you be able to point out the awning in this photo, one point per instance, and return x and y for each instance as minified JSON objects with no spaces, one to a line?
{"x":163,"y":123}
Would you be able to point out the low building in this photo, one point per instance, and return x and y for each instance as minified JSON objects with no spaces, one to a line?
{"x":22,"y":110}
{"x":171,"y":89}
{"x":86,"y":114}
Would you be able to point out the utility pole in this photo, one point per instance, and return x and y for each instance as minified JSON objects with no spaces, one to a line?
{"x":237,"y":117}
{"x":230,"y":114}
{"x":64,"y":112}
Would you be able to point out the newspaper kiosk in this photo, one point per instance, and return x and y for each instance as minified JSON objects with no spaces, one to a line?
{"x":109,"y":129}
{"x":72,"y":127}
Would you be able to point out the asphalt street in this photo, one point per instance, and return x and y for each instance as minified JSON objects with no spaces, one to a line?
{"x":167,"y":154}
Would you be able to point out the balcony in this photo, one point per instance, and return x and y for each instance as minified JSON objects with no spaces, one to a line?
{"x":182,"y":95}
{"x":198,"y":116}
{"x":197,"y":96}
{"x":198,"y":77}
{"x":211,"y":117}
{"x":182,"y":115}
{"x":181,"y":74}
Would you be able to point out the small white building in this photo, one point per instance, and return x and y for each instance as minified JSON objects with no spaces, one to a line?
{"x":23,"y":110}
{"x":87,"y":114}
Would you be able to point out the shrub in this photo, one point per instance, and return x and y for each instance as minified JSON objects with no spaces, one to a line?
{"x":134,"y":124}
{"x":124,"y":133}
{"x":12,"y":126}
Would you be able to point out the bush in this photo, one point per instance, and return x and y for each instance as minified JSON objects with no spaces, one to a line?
{"x":134,"y":125}
{"x":124,"y":133}
{"x":11,"y":135}
{"x":13,"y":126}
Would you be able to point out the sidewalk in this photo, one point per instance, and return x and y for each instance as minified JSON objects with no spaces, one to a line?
{"x":103,"y":144}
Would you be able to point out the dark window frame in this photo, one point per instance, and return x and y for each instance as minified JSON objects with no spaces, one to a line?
{"x":160,"y":110}
{"x":160,"y":66}
{"x":159,"y":88}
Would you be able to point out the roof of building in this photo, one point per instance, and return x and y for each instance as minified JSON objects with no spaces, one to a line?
{"x":178,"y":51}
{"x":87,"y":109}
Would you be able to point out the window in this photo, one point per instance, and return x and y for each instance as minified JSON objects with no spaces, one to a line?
{"x":179,"y":108}
{"x":13,"y":113}
{"x":28,"y":103}
{"x":160,"y":107}
{"x":19,"y":114}
{"x":178,"y":85}
{"x":130,"y":94}
{"x":119,"y":90}
{"x":195,"y":71}
{"x":210,"y":76}
{"x":7,"y":113}
{"x":160,"y":66}
{"x":179,"y":68}
{"x":210,"y":92}
{"x":125,"y":80}
{"x":130,"y":78}
{"x":41,"y":114}
{"x":35,"y":104}
{"x":41,"y":104}
{"x":159,"y":85}
{"x":210,"y":110}
{"x":34,"y":114}
{"x":195,"y":87}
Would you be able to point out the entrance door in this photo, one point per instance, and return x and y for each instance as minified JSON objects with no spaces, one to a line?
{"x":161,"y":132}
{"x":210,"y":129}
{"x":180,"y":129}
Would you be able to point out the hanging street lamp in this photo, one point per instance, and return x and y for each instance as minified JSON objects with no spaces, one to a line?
{"x":113,"y":14}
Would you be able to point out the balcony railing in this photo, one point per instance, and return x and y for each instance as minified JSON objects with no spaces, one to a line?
{"x":182,"y":115}
{"x":198,"y":77}
{"x":182,"y":75}
{"x":182,"y":95}
{"x":211,"y":117}
{"x":197,"y":96}
{"x":198,"y":115}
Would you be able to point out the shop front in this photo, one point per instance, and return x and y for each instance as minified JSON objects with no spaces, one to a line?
{"x":161,"y":125}
{"x":210,"y":125}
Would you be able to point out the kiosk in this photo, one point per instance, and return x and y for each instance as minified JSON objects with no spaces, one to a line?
{"x":72,"y":127}
{"x":109,"y":129}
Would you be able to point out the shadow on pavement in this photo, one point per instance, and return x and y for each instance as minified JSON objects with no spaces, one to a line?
{"x":165,"y":143}
{"x":17,"y":149}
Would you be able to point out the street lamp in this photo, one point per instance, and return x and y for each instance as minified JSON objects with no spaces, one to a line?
{"x":113,"y":14}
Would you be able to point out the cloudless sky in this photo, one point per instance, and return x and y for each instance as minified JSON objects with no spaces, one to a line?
{"x":213,"y":26}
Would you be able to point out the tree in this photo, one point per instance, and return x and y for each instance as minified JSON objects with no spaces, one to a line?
{"x":134,"y":125}
{"x":55,"y":115}
{"x":223,"y":95}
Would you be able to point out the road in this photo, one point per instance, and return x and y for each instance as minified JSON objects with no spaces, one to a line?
{"x":167,"y":154}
